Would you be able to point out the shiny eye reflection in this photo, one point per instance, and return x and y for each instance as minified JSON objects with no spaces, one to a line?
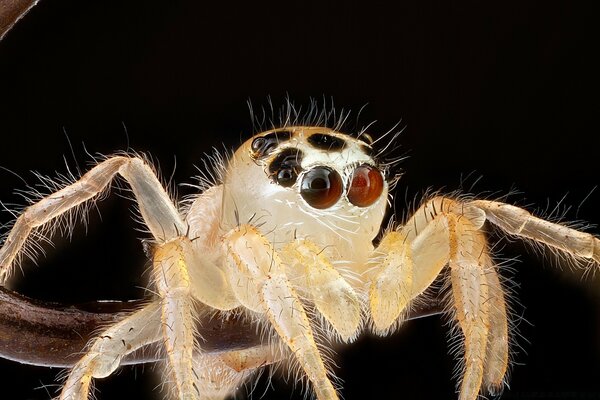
{"x":366,"y":186}
{"x":321,"y":187}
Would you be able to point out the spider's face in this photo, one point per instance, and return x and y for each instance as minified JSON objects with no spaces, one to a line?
{"x":306,"y":182}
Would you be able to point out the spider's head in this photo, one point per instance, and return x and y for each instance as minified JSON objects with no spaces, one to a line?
{"x":306,"y":182}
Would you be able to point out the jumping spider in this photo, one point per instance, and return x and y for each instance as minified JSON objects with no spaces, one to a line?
{"x":286,"y":238}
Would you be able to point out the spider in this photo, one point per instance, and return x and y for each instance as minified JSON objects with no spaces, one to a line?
{"x":291,"y":238}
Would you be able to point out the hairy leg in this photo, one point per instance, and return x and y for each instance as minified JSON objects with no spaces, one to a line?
{"x":496,"y":358}
{"x":157,"y":209}
{"x":177,"y":316}
{"x":160,"y":216}
{"x":446,"y":232}
{"x":469,"y":263}
{"x":519,"y":222}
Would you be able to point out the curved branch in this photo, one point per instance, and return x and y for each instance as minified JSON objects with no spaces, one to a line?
{"x":12,"y":11}
{"x":53,"y":335}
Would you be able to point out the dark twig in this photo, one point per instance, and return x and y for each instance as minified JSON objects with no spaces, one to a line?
{"x":47,"y":334}
{"x":12,"y":11}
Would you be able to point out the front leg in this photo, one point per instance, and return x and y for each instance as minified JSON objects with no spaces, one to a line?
{"x":177,"y":314}
{"x":251,"y":255}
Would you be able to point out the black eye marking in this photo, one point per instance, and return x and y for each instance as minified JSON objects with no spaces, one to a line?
{"x":262,"y":146}
{"x":324,"y":141}
{"x":284,"y":169}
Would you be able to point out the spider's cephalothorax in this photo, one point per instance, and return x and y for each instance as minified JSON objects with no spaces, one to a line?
{"x":287,"y":239}
{"x":308,"y":183}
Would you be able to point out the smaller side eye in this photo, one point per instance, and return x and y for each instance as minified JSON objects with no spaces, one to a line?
{"x":366,"y":186}
{"x":286,"y":177}
{"x":285,"y":167}
{"x":321,"y":187}
{"x":262,"y":146}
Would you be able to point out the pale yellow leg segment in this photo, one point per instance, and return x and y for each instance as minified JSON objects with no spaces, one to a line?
{"x":519,"y":222}
{"x":496,"y":357}
{"x":178,"y":319}
{"x":105,"y":354}
{"x":250,"y":253}
{"x":469,"y":263}
{"x":333,"y":296}
{"x":438,"y":206}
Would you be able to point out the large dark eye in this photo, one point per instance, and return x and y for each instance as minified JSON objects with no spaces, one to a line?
{"x":366,"y":186}
{"x":321,"y":187}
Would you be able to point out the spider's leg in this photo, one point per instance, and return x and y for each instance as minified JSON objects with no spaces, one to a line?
{"x":157,"y":209}
{"x":519,"y":222}
{"x":333,"y":296}
{"x":250,"y":254}
{"x":178,"y":314}
{"x":469,"y":263}
{"x":496,"y":357}
{"x":166,"y":225}
{"x":444,"y":231}
{"x":106,"y":351}
{"x":220,"y":375}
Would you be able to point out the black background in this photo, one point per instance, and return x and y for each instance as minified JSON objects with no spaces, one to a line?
{"x":508,"y":93}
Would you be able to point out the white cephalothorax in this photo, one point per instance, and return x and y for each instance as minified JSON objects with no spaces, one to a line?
{"x":287,"y":238}
{"x":308,"y":183}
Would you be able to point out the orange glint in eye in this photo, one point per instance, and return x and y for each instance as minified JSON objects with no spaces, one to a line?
{"x":366,"y":186}
{"x":321,"y":187}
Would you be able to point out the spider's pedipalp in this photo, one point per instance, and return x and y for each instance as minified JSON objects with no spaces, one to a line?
{"x":333,"y":296}
{"x":407,"y":267}
{"x":250,"y":254}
